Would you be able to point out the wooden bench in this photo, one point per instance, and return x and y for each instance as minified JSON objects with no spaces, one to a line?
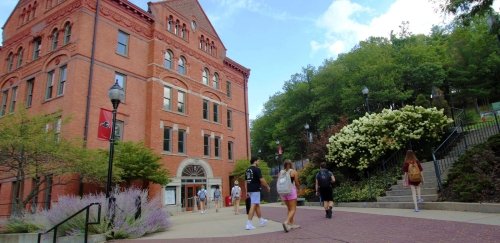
{"x":301,"y":201}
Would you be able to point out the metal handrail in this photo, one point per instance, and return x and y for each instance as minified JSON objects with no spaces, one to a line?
{"x":87,"y":223}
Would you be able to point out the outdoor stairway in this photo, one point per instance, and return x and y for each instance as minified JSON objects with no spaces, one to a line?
{"x":399,"y":193}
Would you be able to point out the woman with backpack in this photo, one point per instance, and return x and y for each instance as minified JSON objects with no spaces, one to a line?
{"x":413,"y":174}
{"x":235,"y":197}
{"x":290,"y":199}
{"x":217,"y":198}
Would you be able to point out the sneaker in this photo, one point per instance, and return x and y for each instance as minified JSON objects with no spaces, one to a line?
{"x":249,"y":227}
{"x":286,"y":227}
{"x":329,"y":213}
{"x":416,"y":210}
{"x":263,"y":222}
{"x":294,"y":226}
{"x":420,"y":200}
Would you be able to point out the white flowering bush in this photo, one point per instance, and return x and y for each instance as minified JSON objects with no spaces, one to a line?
{"x":368,"y":138}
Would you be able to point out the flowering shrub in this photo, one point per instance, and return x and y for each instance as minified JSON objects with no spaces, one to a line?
{"x":366,"y":139}
{"x":153,"y":217}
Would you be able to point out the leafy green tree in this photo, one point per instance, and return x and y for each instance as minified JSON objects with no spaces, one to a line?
{"x":422,"y":100}
{"x":242,"y":165}
{"x":466,"y":9}
{"x":139,"y":162}
{"x":31,"y":147}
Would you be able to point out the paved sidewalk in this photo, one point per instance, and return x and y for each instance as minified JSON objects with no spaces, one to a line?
{"x":347,"y":225}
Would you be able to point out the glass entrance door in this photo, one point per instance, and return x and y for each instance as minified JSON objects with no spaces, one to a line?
{"x":190,"y":196}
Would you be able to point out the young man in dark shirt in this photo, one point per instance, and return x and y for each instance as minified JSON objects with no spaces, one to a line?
{"x":254,"y":179}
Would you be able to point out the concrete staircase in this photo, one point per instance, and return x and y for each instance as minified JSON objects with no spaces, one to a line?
{"x":400,"y":197}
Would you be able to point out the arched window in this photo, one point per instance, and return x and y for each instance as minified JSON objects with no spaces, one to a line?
{"x":215,"y":81}
{"x":10,"y":61}
{"x":55,"y":37}
{"x":167,"y":61}
{"x":194,"y":171}
{"x":204,"y":79}
{"x":202,"y":41}
{"x":181,"y":65}
{"x":19,"y":57}
{"x":177,"y":26}
{"x":67,"y":33}
{"x":207,"y":42}
{"x":170,"y":22}
{"x":184,"y":32}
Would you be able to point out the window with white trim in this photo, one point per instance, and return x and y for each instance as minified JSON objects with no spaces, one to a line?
{"x":167,"y":98}
{"x":62,"y":80}
{"x":181,"y":100}
{"x":13,"y":99}
{"x":122,"y":43}
{"x":229,"y":118}
{"x":37,"y":47}
{"x":204,"y":78}
{"x":181,"y":142}
{"x":216,"y":112}
{"x":217,"y":147}
{"x":167,"y":59}
{"x":215,"y":81}
{"x":50,"y":85}
{"x":206,"y":145}
{"x":230,"y":150}
{"x":205,"y":109}
{"x":30,"y":84}
{"x":167,"y":139}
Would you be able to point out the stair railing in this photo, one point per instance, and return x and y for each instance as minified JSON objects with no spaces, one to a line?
{"x":462,"y":137}
{"x":87,"y":223}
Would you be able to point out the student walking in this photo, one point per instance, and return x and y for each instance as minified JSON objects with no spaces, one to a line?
{"x":217,"y":198}
{"x":254,"y":179}
{"x":413,"y":174}
{"x":235,"y":197}
{"x":202,"y":196}
{"x":324,"y":188}
{"x":290,"y":199}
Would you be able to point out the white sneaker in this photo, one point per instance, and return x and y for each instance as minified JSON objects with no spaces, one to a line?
{"x":420,"y":200}
{"x":249,"y":227}
{"x":263,"y":222}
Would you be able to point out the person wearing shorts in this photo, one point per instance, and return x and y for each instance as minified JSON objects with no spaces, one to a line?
{"x":254,"y":179}
{"x":291,"y":199}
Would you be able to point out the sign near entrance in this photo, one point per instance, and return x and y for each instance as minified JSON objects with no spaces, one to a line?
{"x":169,"y":196}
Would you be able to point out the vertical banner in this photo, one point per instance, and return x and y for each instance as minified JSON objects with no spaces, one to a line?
{"x":105,"y":123}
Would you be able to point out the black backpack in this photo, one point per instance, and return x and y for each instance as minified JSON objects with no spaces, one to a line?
{"x":324,"y":179}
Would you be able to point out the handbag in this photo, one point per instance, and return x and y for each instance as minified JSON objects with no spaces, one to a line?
{"x":406,"y":182}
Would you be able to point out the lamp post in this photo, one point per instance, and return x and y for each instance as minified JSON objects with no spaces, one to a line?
{"x":365,"y":92}
{"x":308,"y":140}
{"x":280,"y":153}
{"x":116,"y":94}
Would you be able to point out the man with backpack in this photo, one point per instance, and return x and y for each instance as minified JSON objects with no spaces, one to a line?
{"x":324,"y":181}
{"x":202,"y":196}
{"x":217,"y":198}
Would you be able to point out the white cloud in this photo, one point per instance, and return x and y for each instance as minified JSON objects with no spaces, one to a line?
{"x":343,"y":30}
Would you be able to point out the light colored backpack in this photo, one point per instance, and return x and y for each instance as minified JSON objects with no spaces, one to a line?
{"x":284,"y":183}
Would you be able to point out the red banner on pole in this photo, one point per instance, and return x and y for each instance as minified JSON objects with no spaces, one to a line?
{"x":105,"y":123}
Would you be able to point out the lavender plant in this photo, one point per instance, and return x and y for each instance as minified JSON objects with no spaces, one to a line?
{"x":153,"y":216}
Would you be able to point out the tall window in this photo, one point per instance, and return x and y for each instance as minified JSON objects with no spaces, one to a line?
{"x":217,"y":147}
{"x":30,"y":84}
{"x":20,"y":57}
{"x":204,"y":79}
{"x":37,"y":46}
{"x":215,"y":81}
{"x":229,"y":118}
{"x":167,"y":98}
{"x":230,"y":150}
{"x":206,"y":145}
{"x":181,"y":65}
{"x":181,"y":99}
{"x":119,"y":126}
{"x":216,"y":112}
{"x":167,"y":62}
{"x":67,"y":33}
{"x":228,"y":88}
{"x":10,"y":62}
{"x":3,"y":109}
{"x":205,"y":109}
{"x":167,"y":139}
{"x":177,"y":26}
{"x":55,"y":37}
{"x":181,"y":146}
{"x":48,"y":191}
{"x":170,"y":22}
{"x":122,"y":81}
{"x":50,"y":85}
{"x":122,"y":45}
{"x":13,"y":98}
{"x":62,"y":80}
{"x":57,"y":129}
{"x":184,"y":32}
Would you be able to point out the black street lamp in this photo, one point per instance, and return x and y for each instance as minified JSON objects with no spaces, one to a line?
{"x":116,"y":94}
{"x":279,"y":153}
{"x":365,"y":92}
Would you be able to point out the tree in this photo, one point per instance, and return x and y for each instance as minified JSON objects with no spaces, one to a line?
{"x":466,"y":9}
{"x":242,"y":165}
{"x":139,"y":162}
{"x":31,"y":147}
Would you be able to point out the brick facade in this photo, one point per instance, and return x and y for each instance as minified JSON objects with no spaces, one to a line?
{"x":177,"y":27}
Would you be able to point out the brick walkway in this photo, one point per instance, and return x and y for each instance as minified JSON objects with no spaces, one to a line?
{"x":358,"y":227}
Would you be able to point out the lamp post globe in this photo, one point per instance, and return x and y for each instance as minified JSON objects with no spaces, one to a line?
{"x":365,"y":92}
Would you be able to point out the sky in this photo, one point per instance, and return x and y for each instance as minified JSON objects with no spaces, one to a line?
{"x":277,"y":38}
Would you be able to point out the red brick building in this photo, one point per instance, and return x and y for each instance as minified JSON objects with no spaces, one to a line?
{"x":183,"y":97}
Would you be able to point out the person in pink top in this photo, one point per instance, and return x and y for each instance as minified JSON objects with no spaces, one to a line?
{"x":291,"y":199}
